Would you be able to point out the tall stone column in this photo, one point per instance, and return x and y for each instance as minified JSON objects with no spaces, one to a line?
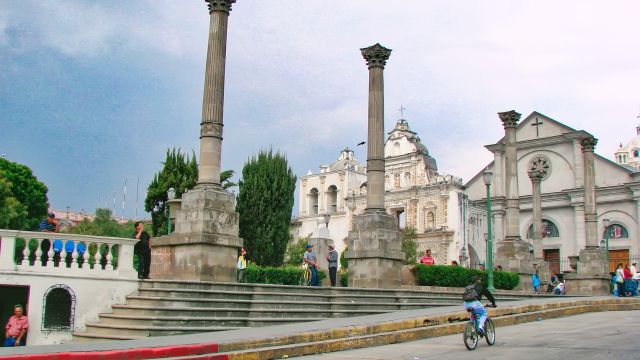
{"x":376,"y":57}
{"x":592,"y":277}
{"x":375,"y":247}
{"x":512,"y":252}
{"x":205,"y":243}
{"x":213,"y":99}
{"x":590,"y":217}
{"x":537,"y":173}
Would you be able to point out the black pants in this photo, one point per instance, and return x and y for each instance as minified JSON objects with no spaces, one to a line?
{"x":144,"y":259}
{"x":332,"y":275}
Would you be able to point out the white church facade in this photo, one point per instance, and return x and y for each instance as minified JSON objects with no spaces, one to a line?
{"x":414,"y":192}
{"x":542,"y":141}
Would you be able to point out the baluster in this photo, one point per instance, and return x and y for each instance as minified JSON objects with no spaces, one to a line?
{"x":20,"y":256}
{"x":38,"y":261}
{"x":63,"y":256}
{"x":74,"y":257}
{"x":109,"y":259}
{"x":85,"y":257}
{"x":51,"y":261}
{"x":92,"y":258}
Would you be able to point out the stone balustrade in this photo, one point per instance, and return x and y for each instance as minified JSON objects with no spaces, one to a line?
{"x":68,"y":254}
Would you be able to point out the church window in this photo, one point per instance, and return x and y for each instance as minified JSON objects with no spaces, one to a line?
{"x":333,"y":199}
{"x":396,"y":148}
{"x":636,"y":153}
{"x":549,"y":230}
{"x":313,"y":201}
{"x":396,"y":181}
{"x":431,"y":221}
{"x":617,"y":231}
{"x":58,"y":308}
{"x":386,"y":181}
{"x":407,"y":179}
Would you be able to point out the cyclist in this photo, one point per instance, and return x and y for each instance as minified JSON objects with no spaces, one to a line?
{"x":472,"y":295}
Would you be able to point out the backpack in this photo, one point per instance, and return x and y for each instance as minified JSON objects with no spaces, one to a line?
{"x":470,"y":293}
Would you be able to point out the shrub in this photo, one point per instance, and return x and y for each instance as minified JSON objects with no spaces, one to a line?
{"x":344,"y":277}
{"x":458,"y":276}
{"x":344,"y":263}
{"x":286,"y":275}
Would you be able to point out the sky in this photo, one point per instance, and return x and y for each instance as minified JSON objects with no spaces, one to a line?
{"x":95,"y":92}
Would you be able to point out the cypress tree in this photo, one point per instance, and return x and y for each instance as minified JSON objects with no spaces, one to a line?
{"x":265,"y":201}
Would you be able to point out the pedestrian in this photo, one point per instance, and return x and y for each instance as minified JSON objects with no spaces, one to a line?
{"x":427,"y":259}
{"x":332,"y":258}
{"x":143,"y":250}
{"x":242,"y":266}
{"x":49,"y":224}
{"x":311,"y":260}
{"x":535,"y":281}
{"x":620,"y":280}
{"x":629,"y":289}
{"x":15,"y":332}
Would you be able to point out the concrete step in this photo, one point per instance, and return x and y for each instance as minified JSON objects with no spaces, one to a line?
{"x":140,"y":331}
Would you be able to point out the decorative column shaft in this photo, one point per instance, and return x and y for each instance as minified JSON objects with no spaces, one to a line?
{"x":509,"y":122}
{"x":590,"y":217}
{"x":536,"y":179}
{"x":213,"y":100}
{"x":376,"y":57}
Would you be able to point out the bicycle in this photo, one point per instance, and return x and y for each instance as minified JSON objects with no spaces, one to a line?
{"x":470,"y":334}
{"x":305,"y":278}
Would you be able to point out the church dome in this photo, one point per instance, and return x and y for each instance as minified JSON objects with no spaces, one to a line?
{"x":346,"y":160}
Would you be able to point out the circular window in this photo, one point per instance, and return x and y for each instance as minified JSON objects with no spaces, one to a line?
{"x":542,"y":165}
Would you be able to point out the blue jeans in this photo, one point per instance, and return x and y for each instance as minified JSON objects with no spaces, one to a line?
{"x":314,"y":276}
{"x":479,"y":311}
{"x":11,"y":341}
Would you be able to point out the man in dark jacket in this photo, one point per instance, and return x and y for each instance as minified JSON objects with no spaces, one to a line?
{"x":143,"y":250}
{"x":476,"y":305}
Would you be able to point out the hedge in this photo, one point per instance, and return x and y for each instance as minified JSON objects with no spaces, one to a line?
{"x":286,"y":275}
{"x":459,"y":276}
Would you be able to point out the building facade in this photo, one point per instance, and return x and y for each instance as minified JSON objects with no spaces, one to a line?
{"x":629,"y":155}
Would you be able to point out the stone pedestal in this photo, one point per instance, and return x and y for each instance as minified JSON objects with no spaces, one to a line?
{"x":544,"y":274}
{"x":592,"y":277}
{"x":205,"y":243}
{"x":375,"y":252}
{"x":513,"y":255}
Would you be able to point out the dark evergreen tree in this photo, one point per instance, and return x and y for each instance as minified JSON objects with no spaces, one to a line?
{"x":179,"y":172}
{"x":265,"y":202}
{"x":23,"y":199}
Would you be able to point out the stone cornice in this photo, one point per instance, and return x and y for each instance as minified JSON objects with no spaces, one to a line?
{"x":219,"y":5}
{"x":376,"y":55}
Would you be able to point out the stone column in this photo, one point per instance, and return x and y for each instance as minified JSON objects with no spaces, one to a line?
{"x":376,"y":57}
{"x":512,"y":206}
{"x":592,"y":277}
{"x":205,"y":243}
{"x":375,"y":248}
{"x":590,"y":216}
{"x":536,"y":206}
{"x":213,"y":99}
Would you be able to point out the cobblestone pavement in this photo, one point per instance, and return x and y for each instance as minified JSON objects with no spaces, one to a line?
{"x":603,"y":336}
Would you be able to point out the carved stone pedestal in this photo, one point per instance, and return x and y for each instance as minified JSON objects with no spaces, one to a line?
{"x":205,"y":243}
{"x":544,"y":274}
{"x":592,"y":277}
{"x":513,"y":255}
{"x":375,"y":252}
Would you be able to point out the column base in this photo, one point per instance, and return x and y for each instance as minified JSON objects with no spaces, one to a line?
{"x":513,"y":255}
{"x":375,"y":252}
{"x":205,"y":244}
{"x":592,"y":277}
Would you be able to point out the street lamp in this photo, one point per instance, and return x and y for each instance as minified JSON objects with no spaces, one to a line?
{"x":171,"y":194}
{"x":487,"y":176}
{"x":605,"y":224}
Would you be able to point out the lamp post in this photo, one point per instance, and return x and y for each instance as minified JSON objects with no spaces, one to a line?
{"x":487,"y":176}
{"x":606,"y":223}
{"x":171,"y":194}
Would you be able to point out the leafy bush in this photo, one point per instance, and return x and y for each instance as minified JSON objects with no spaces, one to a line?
{"x":344,"y":263}
{"x":409,"y":246}
{"x":458,"y":276}
{"x":344,"y":277}
{"x":286,"y":275}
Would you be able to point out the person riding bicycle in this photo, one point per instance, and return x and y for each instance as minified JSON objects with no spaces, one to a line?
{"x":472,"y":295}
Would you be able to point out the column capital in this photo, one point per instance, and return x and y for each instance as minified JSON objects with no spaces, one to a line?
{"x":588,"y":143}
{"x":219,"y":5}
{"x":536,"y":176}
{"x":509,"y":118}
{"x":376,"y":55}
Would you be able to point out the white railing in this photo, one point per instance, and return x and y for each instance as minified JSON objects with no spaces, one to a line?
{"x":69,"y":254}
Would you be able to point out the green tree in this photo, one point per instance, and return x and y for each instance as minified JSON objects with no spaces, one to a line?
{"x":409,"y":247}
{"x":264,"y":203}
{"x":12,"y":213}
{"x":30,"y":204}
{"x":179,"y":172}
{"x":225,"y":179}
{"x":103,"y":225}
{"x":295,"y":251}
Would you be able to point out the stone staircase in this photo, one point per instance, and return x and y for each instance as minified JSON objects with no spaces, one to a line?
{"x":161,"y":308}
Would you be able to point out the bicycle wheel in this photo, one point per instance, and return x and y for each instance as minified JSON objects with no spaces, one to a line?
{"x":305,"y":279}
{"x":470,"y":336}
{"x":490,"y":332}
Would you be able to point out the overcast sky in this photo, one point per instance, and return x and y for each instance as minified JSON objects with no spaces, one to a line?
{"x":93,"y":92}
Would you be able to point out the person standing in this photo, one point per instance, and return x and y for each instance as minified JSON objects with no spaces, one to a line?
{"x":242,"y":266}
{"x":333,"y":264}
{"x":311,"y":260}
{"x":427,"y":259}
{"x":620,"y":280}
{"x":143,"y":250}
{"x":15,"y":332}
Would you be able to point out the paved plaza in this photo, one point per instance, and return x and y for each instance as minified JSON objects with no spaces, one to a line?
{"x":605,"y":335}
